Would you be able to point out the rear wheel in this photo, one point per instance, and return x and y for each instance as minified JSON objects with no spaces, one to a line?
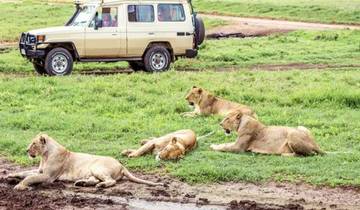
{"x":58,"y":62}
{"x":39,"y":68}
{"x":199,"y":31}
{"x":136,"y":65}
{"x":157,"y":59}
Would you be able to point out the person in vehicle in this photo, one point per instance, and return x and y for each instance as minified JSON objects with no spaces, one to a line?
{"x":164,"y":13}
{"x":106,"y":20}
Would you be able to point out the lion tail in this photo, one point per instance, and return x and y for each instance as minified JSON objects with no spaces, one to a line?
{"x":320,"y":152}
{"x":205,"y":136}
{"x":137,"y":180}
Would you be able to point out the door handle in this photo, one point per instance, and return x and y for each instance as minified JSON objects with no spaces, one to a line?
{"x":114,"y":34}
{"x":151,"y":33}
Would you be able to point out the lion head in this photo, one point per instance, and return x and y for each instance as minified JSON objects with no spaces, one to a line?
{"x":38,"y":146}
{"x":194,"y":95}
{"x":232,"y":121}
{"x":173,"y":150}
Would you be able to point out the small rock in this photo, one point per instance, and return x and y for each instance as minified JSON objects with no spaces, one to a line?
{"x":188,"y":195}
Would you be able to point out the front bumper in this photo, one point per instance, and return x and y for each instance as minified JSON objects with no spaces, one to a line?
{"x":29,"y":49}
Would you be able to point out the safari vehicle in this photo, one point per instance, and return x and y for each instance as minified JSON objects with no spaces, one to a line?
{"x":149,"y":34}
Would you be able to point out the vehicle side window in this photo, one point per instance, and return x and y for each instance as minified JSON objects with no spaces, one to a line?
{"x":109,"y":17}
{"x":141,"y":13}
{"x":171,"y":12}
{"x":106,"y":17}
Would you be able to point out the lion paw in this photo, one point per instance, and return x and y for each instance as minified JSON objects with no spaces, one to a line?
{"x":101,"y":185}
{"x":131,"y":155}
{"x":21,"y":187}
{"x":188,"y":114}
{"x":80,"y":183}
{"x":13,"y":176}
{"x":214,"y":147}
{"x":125,"y":152}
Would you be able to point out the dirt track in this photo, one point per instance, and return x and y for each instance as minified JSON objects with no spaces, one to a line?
{"x":263,"y":27}
{"x":176,"y":195}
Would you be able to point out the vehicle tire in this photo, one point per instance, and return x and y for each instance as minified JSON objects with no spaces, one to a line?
{"x":59,"y":62}
{"x":157,"y":59}
{"x":40,"y":69}
{"x":136,"y":65}
{"x":199,"y":31}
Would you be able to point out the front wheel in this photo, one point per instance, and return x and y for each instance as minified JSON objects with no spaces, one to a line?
{"x":157,"y":59}
{"x":58,"y":62}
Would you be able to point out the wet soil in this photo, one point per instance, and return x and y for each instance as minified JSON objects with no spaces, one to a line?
{"x":175,"y":195}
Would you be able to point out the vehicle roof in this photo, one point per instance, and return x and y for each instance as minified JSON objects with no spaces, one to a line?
{"x":123,"y":1}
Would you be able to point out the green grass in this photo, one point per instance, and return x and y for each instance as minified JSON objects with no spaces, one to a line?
{"x":327,"y":47}
{"x":339,"y":11}
{"x":26,"y":15}
{"x":104,"y":115}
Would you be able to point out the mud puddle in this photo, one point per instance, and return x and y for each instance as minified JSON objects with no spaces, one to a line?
{"x":176,"y":195}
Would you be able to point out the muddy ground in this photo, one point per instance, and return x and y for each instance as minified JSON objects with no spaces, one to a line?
{"x":176,"y":195}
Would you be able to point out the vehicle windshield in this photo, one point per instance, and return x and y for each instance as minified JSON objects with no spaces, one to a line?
{"x":84,"y":15}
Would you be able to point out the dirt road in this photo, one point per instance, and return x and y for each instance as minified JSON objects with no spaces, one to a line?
{"x":176,"y":195}
{"x":263,"y":27}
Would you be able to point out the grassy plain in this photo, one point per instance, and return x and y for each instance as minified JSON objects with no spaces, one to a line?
{"x":325,"y":11}
{"x":103,"y":115}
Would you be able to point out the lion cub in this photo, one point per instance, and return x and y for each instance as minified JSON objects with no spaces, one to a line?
{"x":253,"y":136}
{"x":205,"y":103}
{"x":171,"y":146}
{"x":58,"y":163}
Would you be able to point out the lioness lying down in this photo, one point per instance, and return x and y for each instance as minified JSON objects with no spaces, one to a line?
{"x":253,"y":136}
{"x":57,"y":163}
{"x":205,"y":104}
{"x":171,"y":146}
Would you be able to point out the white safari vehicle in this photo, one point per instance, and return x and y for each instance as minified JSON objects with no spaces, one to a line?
{"x":149,"y":34}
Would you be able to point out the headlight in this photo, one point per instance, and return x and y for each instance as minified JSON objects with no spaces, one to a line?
{"x":40,"y":38}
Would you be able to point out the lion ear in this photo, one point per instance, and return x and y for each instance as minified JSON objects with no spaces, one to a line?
{"x":211,"y":96}
{"x":200,"y":90}
{"x":42,"y":140}
{"x":174,"y":140}
{"x":194,"y":87}
{"x":238,"y":116}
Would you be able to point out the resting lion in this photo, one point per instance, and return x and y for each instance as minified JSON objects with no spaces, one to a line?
{"x":253,"y":136}
{"x":206,"y":104}
{"x":57,"y":163}
{"x":171,"y":146}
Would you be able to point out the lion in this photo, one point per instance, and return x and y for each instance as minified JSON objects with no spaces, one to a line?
{"x":58,"y":163}
{"x":168,"y":147}
{"x":206,"y":104}
{"x":253,"y":136}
